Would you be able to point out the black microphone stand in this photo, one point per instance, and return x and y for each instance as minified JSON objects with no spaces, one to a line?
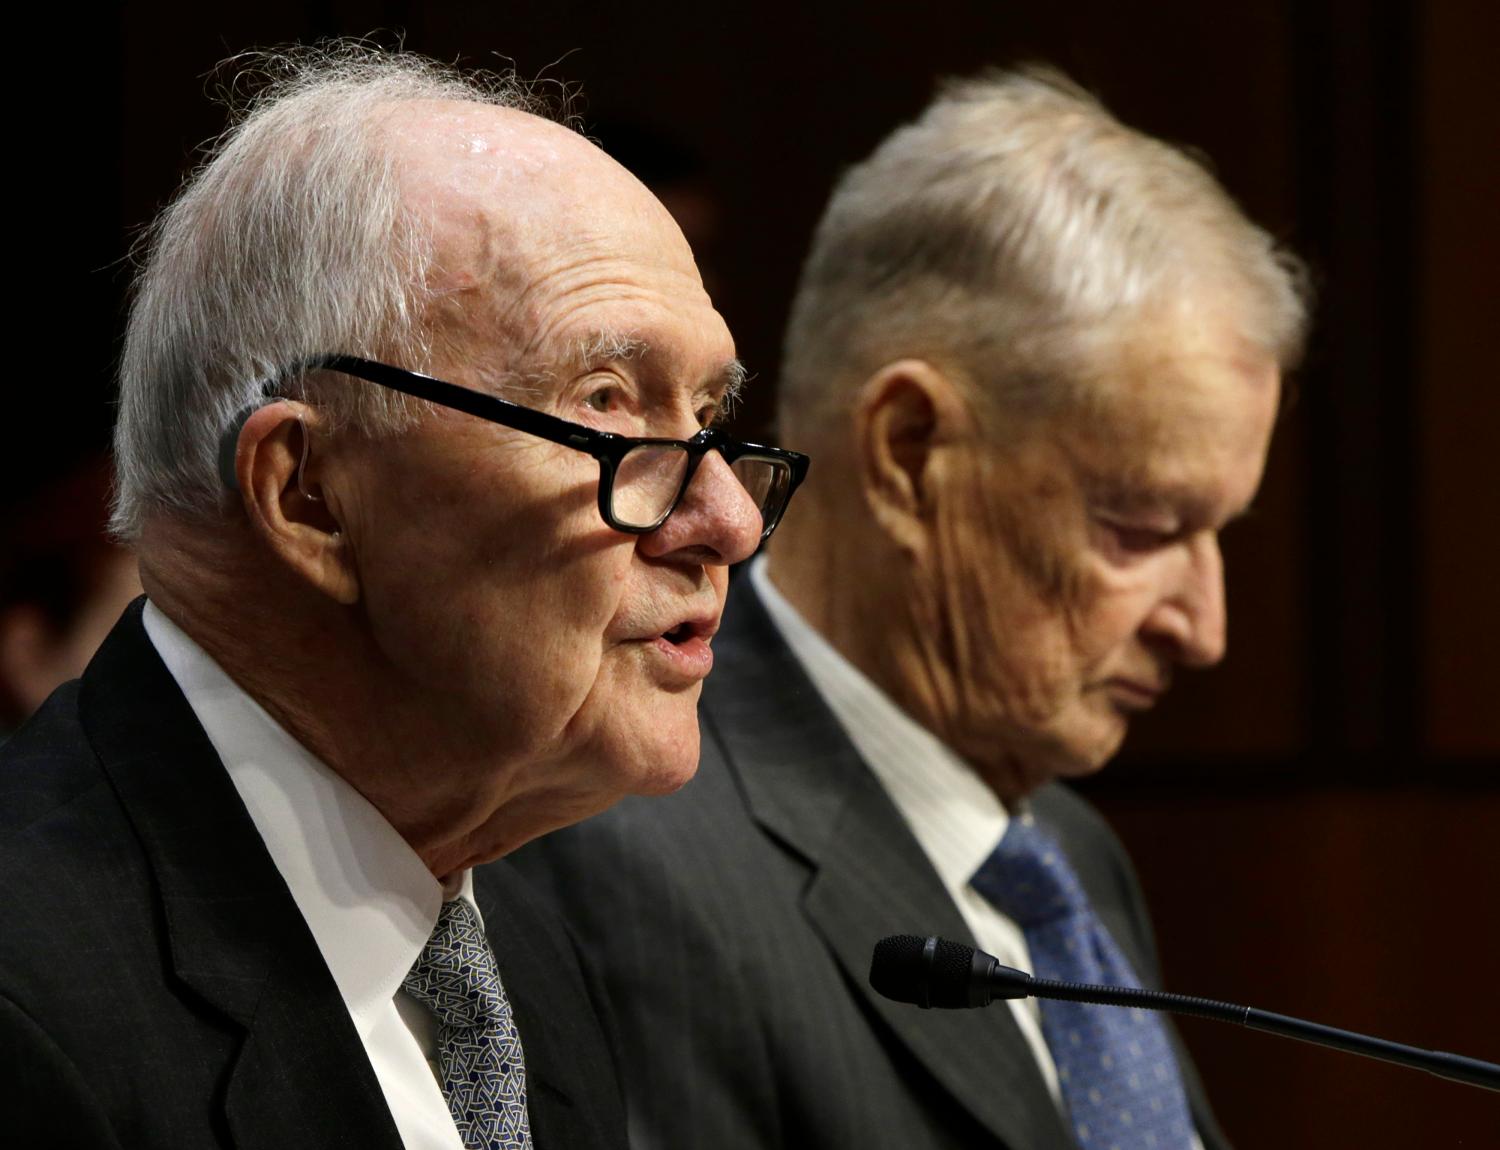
{"x":1456,"y":1067}
{"x":935,"y":972}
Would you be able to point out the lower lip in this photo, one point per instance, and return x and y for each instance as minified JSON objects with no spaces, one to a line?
{"x":1129,"y":697}
{"x":691,"y":659}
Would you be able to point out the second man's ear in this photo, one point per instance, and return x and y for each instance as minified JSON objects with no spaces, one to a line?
{"x":280,"y":472}
{"x":905,"y":413}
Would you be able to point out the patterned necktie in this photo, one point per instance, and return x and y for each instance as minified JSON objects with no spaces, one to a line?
{"x":1118,"y":1076}
{"x":484,"y":1074}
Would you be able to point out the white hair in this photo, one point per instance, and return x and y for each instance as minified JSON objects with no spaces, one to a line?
{"x":290,"y":241}
{"x":1004,"y":234}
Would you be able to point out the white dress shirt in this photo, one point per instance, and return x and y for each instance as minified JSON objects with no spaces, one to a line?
{"x":956,"y":818}
{"x":369,"y":901}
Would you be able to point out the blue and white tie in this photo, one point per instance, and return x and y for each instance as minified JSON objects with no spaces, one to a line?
{"x":1115,"y":1065}
{"x":484,"y":1073}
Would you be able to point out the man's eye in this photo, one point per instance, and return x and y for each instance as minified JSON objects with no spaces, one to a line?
{"x":1136,"y":538}
{"x":603,"y":399}
{"x":1141,"y":538}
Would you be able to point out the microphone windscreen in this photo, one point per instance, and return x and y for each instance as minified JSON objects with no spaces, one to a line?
{"x":901,"y":970}
{"x":951,"y":980}
{"x":896,"y":968}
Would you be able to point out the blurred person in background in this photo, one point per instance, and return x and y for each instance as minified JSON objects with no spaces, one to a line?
{"x":1038,"y":356}
{"x":63,"y":583}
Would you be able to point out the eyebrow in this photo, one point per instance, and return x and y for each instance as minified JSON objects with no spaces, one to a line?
{"x":725,"y":383}
{"x":608,"y":346}
{"x":1143,"y":494}
{"x":730,"y":384}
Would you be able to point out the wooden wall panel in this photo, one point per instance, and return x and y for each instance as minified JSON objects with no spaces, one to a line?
{"x":1370,"y":911}
{"x":1457,"y":383}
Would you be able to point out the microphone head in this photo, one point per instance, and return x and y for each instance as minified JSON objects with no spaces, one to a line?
{"x":897,"y":970}
{"x":924,"y":971}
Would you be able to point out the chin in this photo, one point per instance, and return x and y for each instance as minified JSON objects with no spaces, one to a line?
{"x":1087,"y":758}
{"x":667,"y":781}
{"x":1077,"y":751}
{"x":666,"y":759}
{"x":1075,"y":767}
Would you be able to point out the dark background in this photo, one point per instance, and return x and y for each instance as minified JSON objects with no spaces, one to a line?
{"x":1318,"y":821}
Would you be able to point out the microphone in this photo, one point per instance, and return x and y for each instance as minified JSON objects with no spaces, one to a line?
{"x":931,"y":972}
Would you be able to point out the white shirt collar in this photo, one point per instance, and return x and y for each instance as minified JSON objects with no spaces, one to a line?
{"x":956,"y":818}
{"x":368,"y":899}
{"x":954,"y":815}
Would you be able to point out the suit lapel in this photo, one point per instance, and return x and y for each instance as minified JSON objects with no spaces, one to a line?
{"x":808,"y":788}
{"x":299,"y":1074}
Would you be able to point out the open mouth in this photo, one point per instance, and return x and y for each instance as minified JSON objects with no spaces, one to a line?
{"x":680,"y":634}
{"x":685,"y":649}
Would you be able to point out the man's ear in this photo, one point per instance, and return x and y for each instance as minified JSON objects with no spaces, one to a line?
{"x":279,"y":469}
{"x":904,"y":413}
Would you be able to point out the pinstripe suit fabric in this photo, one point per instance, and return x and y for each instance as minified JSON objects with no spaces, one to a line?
{"x":732,"y":925}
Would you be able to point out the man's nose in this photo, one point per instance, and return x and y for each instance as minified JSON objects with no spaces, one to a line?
{"x":1191,"y":617}
{"x":717,"y":522}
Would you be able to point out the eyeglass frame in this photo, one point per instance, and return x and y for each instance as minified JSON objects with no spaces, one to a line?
{"x":608,"y":447}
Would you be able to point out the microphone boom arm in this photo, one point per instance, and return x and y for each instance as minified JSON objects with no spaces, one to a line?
{"x":1456,"y":1067}
{"x":935,"y":972}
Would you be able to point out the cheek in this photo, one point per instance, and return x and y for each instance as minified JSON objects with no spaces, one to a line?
{"x":1007,"y":592}
{"x":1105,"y":612}
{"x":502,"y":647}
{"x":496,"y":598}
{"x":546,"y":614}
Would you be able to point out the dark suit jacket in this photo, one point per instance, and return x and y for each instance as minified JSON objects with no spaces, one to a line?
{"x":158,"y":986}
{"x":733,"y":923}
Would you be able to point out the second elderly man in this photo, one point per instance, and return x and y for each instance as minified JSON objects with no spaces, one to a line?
{"x":1038,"y":356}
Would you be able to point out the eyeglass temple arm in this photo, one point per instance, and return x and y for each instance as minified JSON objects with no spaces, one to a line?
{"x":470,"y":402}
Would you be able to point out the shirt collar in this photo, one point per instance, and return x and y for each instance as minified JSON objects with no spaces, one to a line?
{"x":368,"y":899}
{"x":954,"y":815}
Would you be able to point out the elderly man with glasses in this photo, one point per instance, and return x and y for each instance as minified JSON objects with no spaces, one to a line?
{"x":416,"y":448}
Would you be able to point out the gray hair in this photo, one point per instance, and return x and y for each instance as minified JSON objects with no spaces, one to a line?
{"x":290,"y":241}
{"x":1007,"y":232}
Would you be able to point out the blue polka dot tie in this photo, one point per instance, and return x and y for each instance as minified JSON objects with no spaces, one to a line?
{"x":484,"y":1074}
{"x":1118,"y":1076}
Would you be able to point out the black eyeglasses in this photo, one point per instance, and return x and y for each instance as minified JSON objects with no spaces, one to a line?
{"x":641,"y":481}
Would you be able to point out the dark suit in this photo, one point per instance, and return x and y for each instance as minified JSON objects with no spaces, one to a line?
{"x":158,"y":985}
{"x":732,"y":924}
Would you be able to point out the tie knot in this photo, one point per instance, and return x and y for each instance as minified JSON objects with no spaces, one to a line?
{"x":1028,"y":878}
{"x":456,"y":976}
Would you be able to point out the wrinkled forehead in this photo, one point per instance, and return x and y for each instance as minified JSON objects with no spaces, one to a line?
{"x":478,"y":174}
{"x":523,"y":216}
{"x":1177,"y":401}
